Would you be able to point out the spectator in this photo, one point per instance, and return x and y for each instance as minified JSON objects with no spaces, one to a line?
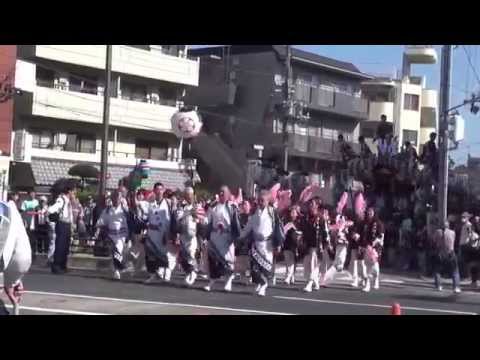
{"x":421,"y":247}
{"x":15,"y":198}
{"x":28,"y":209}
{"x":88,"y":216}
{"x":384,"y":128}
{"x":444,"y":257}
{"x":41,"y":226}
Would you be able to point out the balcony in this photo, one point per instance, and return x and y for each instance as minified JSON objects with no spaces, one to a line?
{"x":114,"y":158}
{"x":313,"y":147}
{"x":332,"y":101}
{"x":421,"y":54}
{"x":88,"y":108}
{"x":377,"y":109}
{"x":125,"y":60}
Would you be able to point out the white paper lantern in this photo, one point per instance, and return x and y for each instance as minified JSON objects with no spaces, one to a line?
{"x":186,"y":124}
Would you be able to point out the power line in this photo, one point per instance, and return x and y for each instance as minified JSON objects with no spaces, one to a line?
{"x":471,"y":64}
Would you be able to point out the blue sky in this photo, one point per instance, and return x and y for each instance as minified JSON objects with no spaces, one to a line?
{"x":387,"y":59}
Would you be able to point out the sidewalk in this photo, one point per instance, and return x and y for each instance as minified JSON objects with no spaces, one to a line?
{"x":103,"y":266}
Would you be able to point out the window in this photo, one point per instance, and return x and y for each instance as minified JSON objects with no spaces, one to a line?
{"x":89,"y":86}
{"x":153,"y":151}
{"x":411,"y":102}
{"x":42,"y":139}
{"x":132,"y":91}
{"x":45,"y":77}
{"x":410,"y":135}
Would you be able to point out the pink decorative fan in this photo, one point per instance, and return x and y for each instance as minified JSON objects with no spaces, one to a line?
{"x":360,"y":205}
{"x":274,"y":191}
{"x":284,"y":199}
{"x":342,"y":203}
{"x":309,"y":192}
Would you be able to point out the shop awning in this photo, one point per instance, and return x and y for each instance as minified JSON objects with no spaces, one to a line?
{"x":21,"y":176}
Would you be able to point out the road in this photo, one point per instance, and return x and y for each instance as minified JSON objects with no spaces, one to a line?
{"x":81,"y":293}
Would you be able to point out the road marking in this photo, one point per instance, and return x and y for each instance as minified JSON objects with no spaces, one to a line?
{"x":157,"y":303}
{"x":374,"y":305}
{"x":58,"y":311}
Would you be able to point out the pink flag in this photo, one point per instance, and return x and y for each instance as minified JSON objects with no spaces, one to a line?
{"x":360,"y":205}
{"x":239,"y":198}
{"x":342,"y":203}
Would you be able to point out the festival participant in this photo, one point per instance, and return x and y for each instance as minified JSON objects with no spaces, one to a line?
{"x":223,"y":230}
{"x":340,"y":237}
{"x":314,"y":234}
{"x":293,"y":236}
{"x":114,"y":220}
{"x":140,"y":209}
{"x":242,"y":248}
{"x":371,"y":244}
{"x":266,"y":230}
{"x":188,"y":216}
{"x":158,"y":235}
{"x":15,"y":252}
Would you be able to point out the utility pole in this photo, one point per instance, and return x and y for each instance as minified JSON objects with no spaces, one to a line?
{"x":106,"y":121}
{"x":288,"y":105}
{"x":446,"y":69}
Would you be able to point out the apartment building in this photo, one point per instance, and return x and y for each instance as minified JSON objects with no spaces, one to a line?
{"x":240,"y":98}
{"x":409,"y":105}
{"x":7,"y":76}
{"x":58,"y":117}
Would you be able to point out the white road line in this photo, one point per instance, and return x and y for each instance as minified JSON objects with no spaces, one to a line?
{"x":374,"y":305}
{"x":157,"y":303}
{"x":58,"y":311}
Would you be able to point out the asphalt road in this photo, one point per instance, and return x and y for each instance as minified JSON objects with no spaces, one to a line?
{"x":80,"y":293}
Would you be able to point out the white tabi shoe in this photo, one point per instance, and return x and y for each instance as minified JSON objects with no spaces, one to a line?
{"x":457,"y":290}
{"x":116,"y":275}
{"x":257,"y":289}
{"x":288,"y":280}
{"x":308,"y":287}
{"x":355,"y":283}
{"x":376,"y":283}
{"x":208,"y":288}
{"x":316,"y":284}
{"x":193,"y":277}
{"x":262,"y":290}
{"x":366,"y":288}
{"x":274,"y":281}
{"x":161,"y":273}
{"x":151,"y":279}
{"x":168,"y":275}
{"x":228,"y":284}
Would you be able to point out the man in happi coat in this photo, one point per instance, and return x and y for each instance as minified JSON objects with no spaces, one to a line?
{"x":114,"y":219}
{"x":371,"y":245}
{"x":158,"y":234}
{"x":223,"y":230}
{"x":189,"y":215}
{"x":266,"y":231}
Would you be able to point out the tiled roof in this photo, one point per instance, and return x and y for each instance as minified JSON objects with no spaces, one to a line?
{"x":47,"y":171}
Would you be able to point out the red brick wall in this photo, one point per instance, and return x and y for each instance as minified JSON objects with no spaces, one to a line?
{"x":8,"y":55}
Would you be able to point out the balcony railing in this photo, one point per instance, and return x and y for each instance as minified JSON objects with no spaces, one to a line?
{"x":330,"y":100}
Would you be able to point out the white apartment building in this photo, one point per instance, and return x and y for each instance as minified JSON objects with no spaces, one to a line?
{"x":58,"y":118}
{"x":405,"y":100}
